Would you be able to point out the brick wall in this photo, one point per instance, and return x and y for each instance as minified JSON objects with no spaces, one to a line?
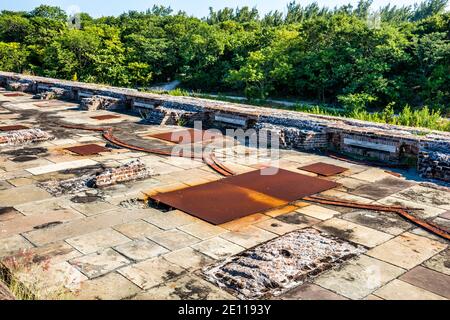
{"x":131,"y":171}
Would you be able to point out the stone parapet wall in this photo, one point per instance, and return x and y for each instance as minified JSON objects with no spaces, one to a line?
{"x":293,"y":137}
{"x":389,"y":143}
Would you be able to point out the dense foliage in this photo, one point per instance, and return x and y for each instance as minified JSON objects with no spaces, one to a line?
{"x":360,"y":58}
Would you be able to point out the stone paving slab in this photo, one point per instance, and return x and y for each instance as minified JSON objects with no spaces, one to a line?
{"x":92,"y":242}
{"x":138,"y":229}
{"x":150,"y":273}
{"x":440,"y":262}
{"x":218,"y":248}
{"x":80,"y":227}
{"x":359,"y":278}
{"x":248,"y":237}
{"x":400,"y":290}
{"x":382,"y":188}
{"x":187,"y":287}
{"x":428,"y":196}
{"x":139,"y":250}
{"x":310,"y":291}
{"x":407,"y":250}
{"x":99,"y":263}
{"x":174,"y":239}
{"x":13,"y":244}
{"x":25,"y":194}
{"x":429,"y":280}
{"x":354,"y":232}
{"x":387,"y":222}
{"x":188,"y":258}
{"x":61,"y":166}
{"x":112,"y":286}
{"x":202,"y":230}
{"x":318,"y":212}
{"x":170,"y":220}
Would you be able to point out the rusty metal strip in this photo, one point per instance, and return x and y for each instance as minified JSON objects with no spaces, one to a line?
{"x":13,"y":127}
{"x":107,"y":134}
{"x":402,"y":211}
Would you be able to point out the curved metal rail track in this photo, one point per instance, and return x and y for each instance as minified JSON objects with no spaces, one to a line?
{"x":107,"y":133}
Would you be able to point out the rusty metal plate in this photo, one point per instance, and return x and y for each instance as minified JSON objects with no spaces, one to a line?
{"x":13,"y":94}
{"x":88,"y":149}
{"x":323,"y":169}
{"x":13,"y":128}
{"x":105,"y":117}
{"x":187,"y":136}
{"x":51,"y":103}
{"x":239,"y":196}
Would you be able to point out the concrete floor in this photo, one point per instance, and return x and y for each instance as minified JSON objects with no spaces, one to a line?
{"x":100,"y":244}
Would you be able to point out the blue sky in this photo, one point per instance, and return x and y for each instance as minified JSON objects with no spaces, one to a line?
{"x":197,"y":8}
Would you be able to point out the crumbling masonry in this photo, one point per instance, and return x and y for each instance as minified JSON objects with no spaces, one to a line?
{"x":428,"y":150}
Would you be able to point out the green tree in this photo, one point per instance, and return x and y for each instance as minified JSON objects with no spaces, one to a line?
{"x":12,"y":57}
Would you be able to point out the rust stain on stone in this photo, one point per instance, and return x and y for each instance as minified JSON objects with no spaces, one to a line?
{"x":13,"y":94}
{"x":52,"y":103}
{"x":105,"y":117}
{"x":238,"y":196}
{"x":88,"y":149}
{"x":13,"y":128}
{"x":323,"y":169}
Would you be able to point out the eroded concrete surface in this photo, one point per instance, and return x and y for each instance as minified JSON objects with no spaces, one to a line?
{"x":82,"y":242}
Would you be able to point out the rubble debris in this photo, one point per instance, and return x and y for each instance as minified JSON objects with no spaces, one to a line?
{"x":69,"y":186}
{"x":134,"y":170}
{"x":25,"y":136}
{"x":53,"y":93}
{"x":241,"y":195}
{"x":433,"y":161}
{"x":19,"y":86}
{"x":292,"y":137}
{"x":99,"y":103}
{"x":88,"y":149}
{"x":281,"y":264}
{"x":134,"y":204}
{"x":323,"y":169}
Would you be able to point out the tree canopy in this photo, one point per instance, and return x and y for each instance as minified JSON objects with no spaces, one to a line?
{"x":349,"y":54}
